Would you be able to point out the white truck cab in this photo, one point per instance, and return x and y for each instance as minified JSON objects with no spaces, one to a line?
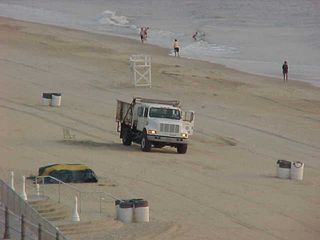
{"x":154,"y":123}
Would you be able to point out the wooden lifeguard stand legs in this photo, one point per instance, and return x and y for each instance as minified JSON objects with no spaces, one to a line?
{"x":140,"y":66}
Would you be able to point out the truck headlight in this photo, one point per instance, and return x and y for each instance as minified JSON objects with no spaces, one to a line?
{"x":184,"y":135}
{"x":152,"y":131}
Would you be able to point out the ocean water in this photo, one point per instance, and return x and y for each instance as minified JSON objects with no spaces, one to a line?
{"x":251,"y":35}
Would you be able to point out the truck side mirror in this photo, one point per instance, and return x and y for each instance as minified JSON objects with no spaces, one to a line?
{"x":188,"y":116}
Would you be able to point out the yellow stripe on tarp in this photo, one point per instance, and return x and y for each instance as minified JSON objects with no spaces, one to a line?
{"x":71,"y":167}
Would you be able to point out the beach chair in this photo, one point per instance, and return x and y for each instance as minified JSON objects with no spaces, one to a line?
{"x":67,"y":134}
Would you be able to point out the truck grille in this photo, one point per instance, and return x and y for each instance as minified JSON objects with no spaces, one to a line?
{"x":170,"y":128}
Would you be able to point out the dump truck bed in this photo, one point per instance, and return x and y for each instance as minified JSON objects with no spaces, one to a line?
{"x":124,"y":112}
{"x":174,"y":103}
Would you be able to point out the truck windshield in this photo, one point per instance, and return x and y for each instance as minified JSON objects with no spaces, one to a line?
{"x":164,"y":113}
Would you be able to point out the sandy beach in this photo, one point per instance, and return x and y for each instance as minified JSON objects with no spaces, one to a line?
{"x":225,"y":187}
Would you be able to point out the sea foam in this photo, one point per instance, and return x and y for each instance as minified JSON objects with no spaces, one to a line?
{"x":110,"y":17}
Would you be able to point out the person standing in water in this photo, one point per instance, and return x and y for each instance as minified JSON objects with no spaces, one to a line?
{"x":285,"y":70}
{"x":176,"y":48}
{"x":194,"y":36}
{"x":142,"y":34}
{"x":145,"y":34}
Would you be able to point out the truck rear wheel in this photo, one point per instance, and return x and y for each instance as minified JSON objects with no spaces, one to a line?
{"x":145,"y":144}
{"x":126,"y":137}
{"x":182,"y":148}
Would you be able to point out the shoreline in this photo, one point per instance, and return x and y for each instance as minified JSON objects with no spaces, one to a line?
{"x":168,"y":51}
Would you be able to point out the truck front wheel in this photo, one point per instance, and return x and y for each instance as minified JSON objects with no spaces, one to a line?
{"x":126,"y":137}
{"x":145,"y":144}
{"x":182,"y":148}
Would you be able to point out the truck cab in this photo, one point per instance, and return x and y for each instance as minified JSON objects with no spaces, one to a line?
{"x":158,"y":124}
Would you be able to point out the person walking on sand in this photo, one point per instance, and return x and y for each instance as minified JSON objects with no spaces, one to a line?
{"x":285,"y":69}
{"x":176,"y":48}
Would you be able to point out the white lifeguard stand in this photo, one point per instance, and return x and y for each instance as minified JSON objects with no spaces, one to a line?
{"x":140,"y":70}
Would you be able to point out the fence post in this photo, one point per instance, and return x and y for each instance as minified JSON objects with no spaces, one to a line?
{"x":38,"y":189}
{"x":80,"y":203}
{"x":6,"y":234}
{"x":57,"y":235}
{"x":22,"y":228}
{"x":12,"y":180}
{"x":23,"y":192}
{"x":42,"y":182}
{"x":59,"y":190}
{"x":75,"y":214}
{"x":39,"y":231}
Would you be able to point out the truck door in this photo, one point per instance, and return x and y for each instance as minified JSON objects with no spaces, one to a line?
{"x":142,"y":117}
{"x":188,"y":121}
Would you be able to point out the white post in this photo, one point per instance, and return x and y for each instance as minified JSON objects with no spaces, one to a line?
{"x":38,"y":189}
{"x":75,"y":214}
{"x":23,"y":193}
{"x":12,"y":180}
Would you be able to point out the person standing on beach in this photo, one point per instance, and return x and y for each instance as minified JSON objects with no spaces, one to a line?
{"x":176,"y":48}
{"x":285,"y":69}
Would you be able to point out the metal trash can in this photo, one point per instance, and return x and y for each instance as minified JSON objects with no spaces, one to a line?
{"x":283,"y":169}
{"x":296,"y":172}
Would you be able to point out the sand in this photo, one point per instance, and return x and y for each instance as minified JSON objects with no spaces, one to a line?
{"x":225,"y":187}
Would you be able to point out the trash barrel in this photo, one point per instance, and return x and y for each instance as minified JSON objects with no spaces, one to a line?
{"x":126,"y":211}
{"x":117,"y":205}
{"x":46,"y":99}
{"x":56,"y":100}
{"x":297,"y":170}
{"x":141,"y":211}
{"x":283,"y":169}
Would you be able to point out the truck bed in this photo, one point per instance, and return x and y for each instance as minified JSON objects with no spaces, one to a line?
{"x":124,"y":112}
{"x":174,"y":103}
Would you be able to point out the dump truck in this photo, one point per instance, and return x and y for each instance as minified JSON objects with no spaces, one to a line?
{"x":154,"y":123}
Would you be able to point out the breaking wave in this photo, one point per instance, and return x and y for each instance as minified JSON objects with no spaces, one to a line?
{"x":111,"y":18}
